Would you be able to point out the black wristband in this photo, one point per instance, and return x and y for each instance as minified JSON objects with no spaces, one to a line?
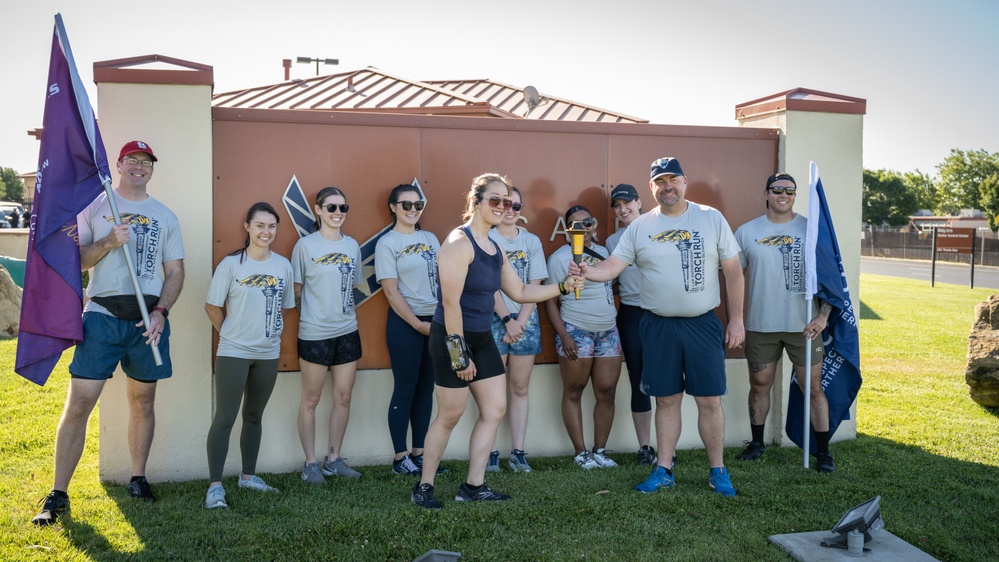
{"x":507,"y":318}
{"x":562,"y":289}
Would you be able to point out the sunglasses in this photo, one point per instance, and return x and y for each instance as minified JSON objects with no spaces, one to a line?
{"x":133,"y":161}
{"x":497,"y":201}
{"x":332,"y":207}
{"x":408,"y":205}
{"x":588,"y":223}
{"x":778,"y":190}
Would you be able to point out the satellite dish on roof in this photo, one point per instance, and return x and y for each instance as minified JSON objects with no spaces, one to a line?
{"x":533,"y":99}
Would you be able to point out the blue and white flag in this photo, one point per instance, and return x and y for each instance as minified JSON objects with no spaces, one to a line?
{"x":825,"y":279}
{"x":72,"y":171}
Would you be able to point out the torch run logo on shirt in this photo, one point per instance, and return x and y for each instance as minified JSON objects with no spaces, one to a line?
{"x":691,"y":248}
{"x":272,"y":287}
{"x":792,"y":251}
{"x":147,"y":242}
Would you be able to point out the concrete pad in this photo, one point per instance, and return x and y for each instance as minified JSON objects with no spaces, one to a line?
{"x":806,"y":547}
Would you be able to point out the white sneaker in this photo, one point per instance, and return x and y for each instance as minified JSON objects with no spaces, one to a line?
{"x":585,"y":461}
{"x":257,"y":483}
{"x":600,"y":455}
{"x":215,"y":497}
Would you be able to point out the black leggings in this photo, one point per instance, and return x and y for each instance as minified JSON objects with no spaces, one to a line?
{"x":232,"y":377}
{"x":628,"y":318}
{"x":413,"y":393}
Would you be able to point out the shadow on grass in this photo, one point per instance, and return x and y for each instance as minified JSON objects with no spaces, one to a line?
{"x":943,"y":506}
{"x":866,"y":313}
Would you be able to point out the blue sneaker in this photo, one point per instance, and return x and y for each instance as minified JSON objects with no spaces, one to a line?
{"x":720,"y":482}
{"x":493,"y":464}
{"x":658,"y":479}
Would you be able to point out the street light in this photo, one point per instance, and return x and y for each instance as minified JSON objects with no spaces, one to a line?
{"x":307,"y":60}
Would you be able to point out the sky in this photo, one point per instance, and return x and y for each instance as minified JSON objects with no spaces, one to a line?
{"x":926,"y":68}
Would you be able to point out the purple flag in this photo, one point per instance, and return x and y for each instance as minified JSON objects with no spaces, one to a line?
{"x":72,"y":168}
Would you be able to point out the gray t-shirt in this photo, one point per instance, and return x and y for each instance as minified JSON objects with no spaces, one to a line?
{"x":154,"y":238}
{"x":253,"y":293}
{"x":774,"y":255}
{"x":412,"y":260}
{"x":526,"y":256}
{"x":328,"y":271}
{"x":678,"y":258}
{"x":629,"y":283}
{"x":594,"y":311}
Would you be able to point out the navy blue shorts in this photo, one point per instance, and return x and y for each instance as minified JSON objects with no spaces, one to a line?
{"x":108,"y":341}
{"x":683,"y":355}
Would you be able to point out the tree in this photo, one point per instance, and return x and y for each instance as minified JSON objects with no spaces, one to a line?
{"x":989,"y":189}
{"x":14,"y":190}
{"x":888,"y":197}
{"x":923,"y":187}
{"x":960,"y":177}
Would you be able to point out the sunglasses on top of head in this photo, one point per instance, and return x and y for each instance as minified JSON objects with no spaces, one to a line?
{"x":332,"y":207}
{"x":777,"y":190}
{"x":409,"y":205}
{"x":498,"y":201}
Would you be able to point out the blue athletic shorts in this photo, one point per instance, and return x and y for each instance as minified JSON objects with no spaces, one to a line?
{"x":591,"y":344}
{"x":683,"y":355}
{"x":108,"y":341}
{"x":529,"y":343}
{"x":338,"y":350}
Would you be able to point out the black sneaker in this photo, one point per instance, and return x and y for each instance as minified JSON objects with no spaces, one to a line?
{"x":54,"y":506}
{"x":140,"y":490}
{"x":483,"y":494}
{"x":646,"y":455}
{"x":824,"y":463}
{"x":423,"y":496}
{"x":754,"y":450}
{"x":418,"y":461}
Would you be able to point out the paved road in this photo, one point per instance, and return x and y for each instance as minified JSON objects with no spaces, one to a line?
{"x":952,"y":273}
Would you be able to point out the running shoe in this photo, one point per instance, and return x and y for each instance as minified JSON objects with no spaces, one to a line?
{"x":720,"y":481}
{"x":54,"y":506}
{"x":256,"y":483}
{"x":139,"y":489}
{"x":423,"y":496}
{"x":600,"y":455}
{"x":518,"y":461}
{"x":646,"y":455}
{"x":824,"y":463}
{"x":482,"y":494}
{"x":312,"y":474}
{"x":659,"y":479}
{"x":338,"y":468}
{"x":215,"y":497}
{"x":585,"y":461}
{"x":405,"y":465}
{"x":754,"y":450}
{"x":418,"y":461}
{"x":493,"y":464}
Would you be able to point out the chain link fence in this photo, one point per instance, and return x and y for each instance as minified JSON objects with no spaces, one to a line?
{"x":919,"y":246}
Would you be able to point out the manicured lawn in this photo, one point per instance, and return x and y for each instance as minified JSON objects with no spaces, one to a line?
{"x":923,"y":445}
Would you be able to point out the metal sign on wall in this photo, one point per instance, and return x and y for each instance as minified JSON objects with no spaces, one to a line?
{"x":554,"y":164}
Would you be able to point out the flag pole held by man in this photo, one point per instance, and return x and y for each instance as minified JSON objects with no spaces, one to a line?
{"x":78,"y":227}
{"x":826,"y":279}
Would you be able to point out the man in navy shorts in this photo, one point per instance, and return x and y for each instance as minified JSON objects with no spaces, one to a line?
{"x":113,"y":330}
{"x":678,"y":248}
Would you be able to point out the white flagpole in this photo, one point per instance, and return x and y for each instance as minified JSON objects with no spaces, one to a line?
{"x":811,"y":283}
{"x":808,"y":389}
{"x":83,"y":102}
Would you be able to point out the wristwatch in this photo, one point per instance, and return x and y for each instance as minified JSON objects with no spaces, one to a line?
{"x":507,"y":318}
{"x":162,"y":311}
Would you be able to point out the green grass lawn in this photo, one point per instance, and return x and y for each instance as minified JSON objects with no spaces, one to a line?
{"x":923,"y":445}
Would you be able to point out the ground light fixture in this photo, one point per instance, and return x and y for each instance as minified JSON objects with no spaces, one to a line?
{"x":859,"y":522}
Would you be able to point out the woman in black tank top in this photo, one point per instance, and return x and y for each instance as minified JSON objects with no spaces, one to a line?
{"x":471,"y":268}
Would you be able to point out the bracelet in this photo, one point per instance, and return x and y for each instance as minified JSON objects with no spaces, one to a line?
{"x":562,"y":289}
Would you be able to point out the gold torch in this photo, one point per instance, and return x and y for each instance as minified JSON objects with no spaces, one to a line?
{"x":578,"y":233}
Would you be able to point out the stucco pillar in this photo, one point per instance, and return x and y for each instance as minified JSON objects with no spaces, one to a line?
{"x":167,"y":103}
{"x":826,"y":129}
